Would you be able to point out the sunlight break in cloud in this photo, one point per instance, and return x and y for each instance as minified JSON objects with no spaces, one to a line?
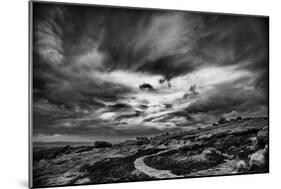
{"x":200,"y":67}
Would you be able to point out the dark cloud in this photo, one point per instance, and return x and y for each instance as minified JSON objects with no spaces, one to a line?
{"x":60,"y":35}
{"x":120,"y":106}
{"x":227,"y":98}
{"x":146,"y":86}
{"x":192,"y":93}
{"x":76,"y":48}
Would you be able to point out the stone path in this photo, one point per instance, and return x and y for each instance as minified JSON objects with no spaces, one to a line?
{"x":160,"y":174}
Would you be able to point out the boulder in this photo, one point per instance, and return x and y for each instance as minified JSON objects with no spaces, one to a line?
{"x":262,"y":136}
{"x":203,"y":137}
{"x":254,"y":141}
{"x":251,"y":148}
{"x":222,"y":121}
{"x":259,"y":159}
{"x":238,"y":118}
{"x":212,"y":154}
{"x":241,"y":166}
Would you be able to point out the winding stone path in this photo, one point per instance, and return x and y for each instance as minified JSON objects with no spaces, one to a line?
{"x":160,"y":174}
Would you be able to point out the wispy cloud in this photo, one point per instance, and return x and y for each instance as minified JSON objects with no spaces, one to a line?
{"x":89,"y":63}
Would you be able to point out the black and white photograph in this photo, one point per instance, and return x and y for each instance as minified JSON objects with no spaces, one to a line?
{"x":121,"y":94}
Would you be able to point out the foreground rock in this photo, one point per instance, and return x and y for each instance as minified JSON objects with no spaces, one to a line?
{"x":259,"y":160}
{"x":263,"y":136}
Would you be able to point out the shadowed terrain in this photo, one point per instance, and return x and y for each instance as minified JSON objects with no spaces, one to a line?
{"x":237,"y":146}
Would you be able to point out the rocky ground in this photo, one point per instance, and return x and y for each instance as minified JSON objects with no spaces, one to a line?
{"x":237,"y":146}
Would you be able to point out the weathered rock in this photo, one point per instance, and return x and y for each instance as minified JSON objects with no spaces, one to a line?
{"x":251,"y":148}
{"x":231,"y":148}
{"x":262,"y":136}
{"x":254,"y":141}
{"x":242,"y":154}
{"x":259,"y":159}
{"x":204,"y":137}
{"x":238,"y":118}
{"x":142,"y":140}
{"x":241,"y":166}
{"x":222,"y":121}
{"x":212,"y":154}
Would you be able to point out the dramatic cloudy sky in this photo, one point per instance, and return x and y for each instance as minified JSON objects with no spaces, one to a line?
{"x":89,"y":62}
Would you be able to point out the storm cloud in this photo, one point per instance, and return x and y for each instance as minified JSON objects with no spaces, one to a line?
{"x":88,"y":64}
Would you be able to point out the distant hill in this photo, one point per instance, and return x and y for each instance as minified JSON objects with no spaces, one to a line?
{"x":61,"y":143}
